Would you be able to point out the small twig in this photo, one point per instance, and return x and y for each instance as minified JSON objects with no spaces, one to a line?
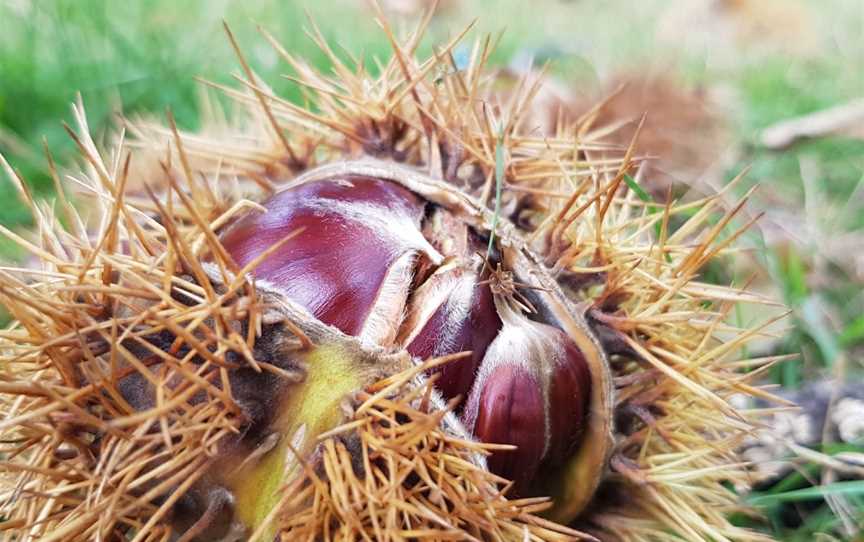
{"x":841,"y":119}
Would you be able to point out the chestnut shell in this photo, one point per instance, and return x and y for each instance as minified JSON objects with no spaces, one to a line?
{"x":573,"y":482}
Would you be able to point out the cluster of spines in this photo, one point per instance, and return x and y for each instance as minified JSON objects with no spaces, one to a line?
{"x":679,"y":446}
{"x":680,"y":434}
{"x":393,"y":472}
{"x":81,"y":462}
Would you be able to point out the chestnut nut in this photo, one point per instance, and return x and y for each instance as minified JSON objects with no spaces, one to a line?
{"x":381,"y":262}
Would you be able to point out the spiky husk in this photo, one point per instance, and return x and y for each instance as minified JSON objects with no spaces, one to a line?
{"x":405,"y":477}
{"x":81,"y":463}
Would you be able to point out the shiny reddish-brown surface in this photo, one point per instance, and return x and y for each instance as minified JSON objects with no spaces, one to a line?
{"x":512,"y":411}
{"x":335,"y":266}
{"x":569,"y":392}
{"x":443,"y":335}
{"x":532,"y":391}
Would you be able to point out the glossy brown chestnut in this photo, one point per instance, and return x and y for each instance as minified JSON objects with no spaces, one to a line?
{"x":569,"y":393}
{"x":511,"y":410}
{"x":452,"y":312}
{"x":531,"y":391}
{"x":378,"y":261}
{"x":351,"y":260}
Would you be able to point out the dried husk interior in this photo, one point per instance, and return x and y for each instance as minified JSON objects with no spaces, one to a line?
{"x":80,"y":464}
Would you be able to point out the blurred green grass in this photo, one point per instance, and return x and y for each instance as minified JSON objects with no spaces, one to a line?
{"x":142,"y":57}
